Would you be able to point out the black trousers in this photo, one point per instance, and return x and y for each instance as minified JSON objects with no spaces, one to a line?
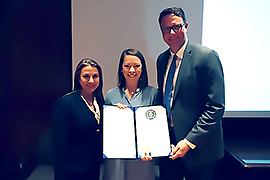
{"x":176,"y":170}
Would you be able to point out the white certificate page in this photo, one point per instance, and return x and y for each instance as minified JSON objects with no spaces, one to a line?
{"x":118,"y":133}
{"x":152,"y":131}
{"x":135,"y":132}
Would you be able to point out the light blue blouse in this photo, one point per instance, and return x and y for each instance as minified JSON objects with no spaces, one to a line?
{"x":143,"y":97}
{"x":123,"y":169}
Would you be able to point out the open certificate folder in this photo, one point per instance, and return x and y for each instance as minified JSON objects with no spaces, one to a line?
{"x":132,"y":132}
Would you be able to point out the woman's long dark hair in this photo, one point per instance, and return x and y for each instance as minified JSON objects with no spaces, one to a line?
{"x":77,"y":85}
{"x":143,"y":80}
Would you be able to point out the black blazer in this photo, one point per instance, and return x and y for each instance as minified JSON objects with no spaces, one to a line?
{"x":198,"y":102}
{"x":77,"y":144}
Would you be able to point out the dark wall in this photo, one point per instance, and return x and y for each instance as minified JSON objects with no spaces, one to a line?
{"x":35,"y":70}
{"x":248,"y":137}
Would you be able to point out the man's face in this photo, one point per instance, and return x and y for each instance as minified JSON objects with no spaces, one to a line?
{"x":174,"y":31}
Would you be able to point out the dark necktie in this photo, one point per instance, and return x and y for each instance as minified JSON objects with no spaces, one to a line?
{"x":168,"y":87}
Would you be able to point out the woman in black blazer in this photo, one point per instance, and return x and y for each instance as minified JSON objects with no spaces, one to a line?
{"x":77,"y":126}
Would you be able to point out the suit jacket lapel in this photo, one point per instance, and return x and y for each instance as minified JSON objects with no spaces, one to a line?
{"x":183,"y":67}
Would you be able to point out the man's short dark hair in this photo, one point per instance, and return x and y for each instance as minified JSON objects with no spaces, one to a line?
{"x":178,"y":11}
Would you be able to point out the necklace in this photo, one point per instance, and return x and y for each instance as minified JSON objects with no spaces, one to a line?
{"x":130,"y":92}
{"x":90,"y":103}
{"x":93,"y":107}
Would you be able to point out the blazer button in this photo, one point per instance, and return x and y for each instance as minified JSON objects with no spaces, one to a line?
{"x":97,"y":130}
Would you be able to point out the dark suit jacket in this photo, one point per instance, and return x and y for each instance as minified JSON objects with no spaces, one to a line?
{"x":198,"y":102}
{"x":77,"y":144}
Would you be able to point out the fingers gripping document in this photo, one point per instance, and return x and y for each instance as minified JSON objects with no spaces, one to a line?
{"x":135,"y":132}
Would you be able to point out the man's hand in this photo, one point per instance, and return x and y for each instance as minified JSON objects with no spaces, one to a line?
{"x":180,"y":150}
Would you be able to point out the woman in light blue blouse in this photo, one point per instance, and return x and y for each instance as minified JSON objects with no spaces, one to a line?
{"x":132,"y":90}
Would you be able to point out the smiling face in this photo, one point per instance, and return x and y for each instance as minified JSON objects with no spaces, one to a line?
{"x":89,"y":79}
{"x":132,"y":68}
{"x":175,"y":39}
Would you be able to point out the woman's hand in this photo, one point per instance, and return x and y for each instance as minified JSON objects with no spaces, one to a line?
{"x":120,"y":106}
{"x":147,"y":157}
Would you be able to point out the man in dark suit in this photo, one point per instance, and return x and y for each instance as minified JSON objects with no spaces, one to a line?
{"x":195,"y":101}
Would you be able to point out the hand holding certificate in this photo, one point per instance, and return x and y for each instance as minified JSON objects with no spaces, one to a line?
{"x":135,"y":132}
